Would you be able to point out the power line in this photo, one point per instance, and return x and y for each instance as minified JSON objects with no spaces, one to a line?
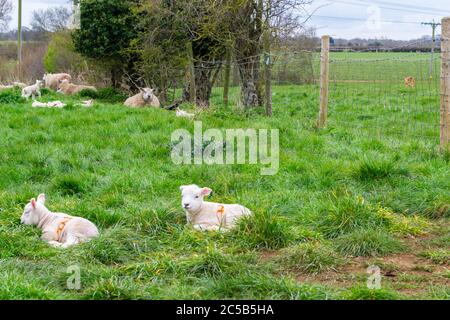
{"x":360,"y":19}
{"x":396,"y":4}
{"x":389,"y":8}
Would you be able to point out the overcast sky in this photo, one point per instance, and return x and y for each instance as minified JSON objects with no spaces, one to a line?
{"x":396,"y":19}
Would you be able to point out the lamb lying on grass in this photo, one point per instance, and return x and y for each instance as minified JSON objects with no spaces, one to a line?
{"x":12,"y":86}
{"x":209,"y":216}
{"x":68,"y":88}
{"x":20,"y":85}
{"x":51,"y":104}
{"x":58,"y":229}
{"x":183,"y":114}
{"x":2,"y":87}
{"x":52,"y":80}
{"x":32,"y":91}
{"x":143,"y":99}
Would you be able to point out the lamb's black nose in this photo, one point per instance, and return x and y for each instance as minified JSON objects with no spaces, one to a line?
{"x":186,"y":205}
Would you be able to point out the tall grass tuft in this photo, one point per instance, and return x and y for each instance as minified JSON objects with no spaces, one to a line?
{"x":367,"y":242}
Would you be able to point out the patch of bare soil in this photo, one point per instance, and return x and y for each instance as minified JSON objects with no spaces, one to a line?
{"x":408,"y":273}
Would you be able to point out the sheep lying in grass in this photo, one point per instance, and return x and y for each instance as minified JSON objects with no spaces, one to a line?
{"x":32,"y":91}
{"x":20,"y":85}
{"x":2,"y":87}
{"x":183,"y":114}
{"x":144,"y":98}
{"x":52,"y":80}
{"x":51,"y":104}
{"x":58,"y":229}
{"x":68,"y":88}
{"x":209,"y":216}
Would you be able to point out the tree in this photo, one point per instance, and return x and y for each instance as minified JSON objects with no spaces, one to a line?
{"x":5,"y":11}
{"x":107,"y":29}
{"x":50,"y":20}
{"x":167,"y":27}
{"x":250,"y":19}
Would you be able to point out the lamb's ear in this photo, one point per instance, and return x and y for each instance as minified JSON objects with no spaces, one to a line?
{"x":41,"y":198}
{"x":182,"y":188}
{"x":206,"y":191}
{"x":33,"y":203}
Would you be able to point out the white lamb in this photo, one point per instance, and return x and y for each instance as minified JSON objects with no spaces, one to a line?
{"x":209,"y":216}
{"x":52,"y":80}
{"x":2,"y":87}
{"x":183,"y":114}
{"x":20,"y":85}
{"x":32,"y":91}
{"x":144,"y":98}
{"x":51,"y":104}
{"x":58,"y":229}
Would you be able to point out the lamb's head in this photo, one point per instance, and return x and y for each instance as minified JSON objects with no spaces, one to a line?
{"x":192,"y":197}
{"x":33,"y":211}
{"x":63,"y":84}
{"x":39,"y":83}
{"x":147,"y":94}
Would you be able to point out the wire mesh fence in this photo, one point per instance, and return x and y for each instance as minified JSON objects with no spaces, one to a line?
{"x":387,"y":95}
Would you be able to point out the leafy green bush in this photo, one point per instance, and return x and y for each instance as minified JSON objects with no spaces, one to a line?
{"x":11,"y":96}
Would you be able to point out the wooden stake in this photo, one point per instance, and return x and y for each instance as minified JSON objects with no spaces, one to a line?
{"x":445,"y":84}
{"x":268,"y":73}
{"x":324,"y":75}
{"x":226,"y":84}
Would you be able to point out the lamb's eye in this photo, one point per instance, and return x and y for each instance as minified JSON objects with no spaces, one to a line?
{"x":196,"y":197}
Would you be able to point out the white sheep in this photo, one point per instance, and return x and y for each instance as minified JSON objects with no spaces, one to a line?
{"x":51,"y":104}
{"x":144,"y":98}
{"x":68,"y":88}
{"x":209,"y":216}
{"x":2,"y":87}
{"x":32,"y":91}
{"x":183,"y":114}
{"x":52,"y":80}
{"x":20,"y":85}
{"x":58,"y":229}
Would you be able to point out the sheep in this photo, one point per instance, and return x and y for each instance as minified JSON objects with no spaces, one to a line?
{"x":20,"y":85}
{"x":32,"y":91}
{"x":209,"y":216}
{"x":410,"y":82}
{"x":52,"y":80}
{"x":2,"y":87}
{"x":12,"y":86}
{"x":86,"y":103}
{"x":58,"y":229}
{"x":183,"y":114}
{"x":68,"y":88}
{"x":51,"y":104}
{"x":144,"y":98}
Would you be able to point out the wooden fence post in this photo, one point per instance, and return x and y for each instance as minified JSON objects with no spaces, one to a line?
{"x":324,"y":75}
{"x":191,"y":73}
{"x":445,"y":83}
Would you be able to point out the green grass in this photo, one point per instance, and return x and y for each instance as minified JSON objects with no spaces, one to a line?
{"x":309,"y":258}
{"x":362,"y":184}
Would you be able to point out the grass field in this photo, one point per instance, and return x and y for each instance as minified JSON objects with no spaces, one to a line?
{"x":345,"y":198}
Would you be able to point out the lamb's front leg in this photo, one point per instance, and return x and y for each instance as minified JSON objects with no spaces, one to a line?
{"x":55,"y":244}
{"x":70,"y":241}
{"x":206,"y":227}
